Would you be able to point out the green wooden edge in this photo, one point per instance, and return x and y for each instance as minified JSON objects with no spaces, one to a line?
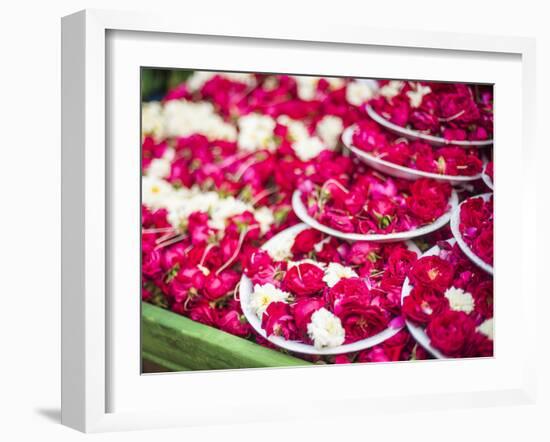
{"x":178,"y":343}
{"x":154,"y":364}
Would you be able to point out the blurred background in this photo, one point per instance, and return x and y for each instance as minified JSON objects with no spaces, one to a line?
{"x":155,"y":82}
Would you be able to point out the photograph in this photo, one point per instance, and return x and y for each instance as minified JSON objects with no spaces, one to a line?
{"x":259,"y":224}
{"x":291,"y":220}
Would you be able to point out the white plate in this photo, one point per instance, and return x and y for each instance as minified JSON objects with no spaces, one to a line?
{"x":487,"y":179}
{"x":245,"y":290}
{"x":417,"y":331}
{"x":455,"y":223}
{"x":301,"y":212}
{"x":416,"y":135}
{"x":397,"y":170}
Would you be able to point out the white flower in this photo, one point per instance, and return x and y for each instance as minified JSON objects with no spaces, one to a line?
{"x":152,"y":119}
{"x":225,"y":208}
{"x":486,"y":328}
{"x":335,"y":272}
{"x":160,"y":167}
{"x":155,"y":192}
{"x":270,"y":83}
{"x":329,"y":128}
{"x":183,"y":118}
{"x":308,"y":148}
{"x":196,"y":81}
{"x":358,"y":92}
{"x":307,"y":87}
{"x":265,"y":294}
{"x":184,"y":202}
{"x":459,"y":300}
{"x":392,"y":88}
{"x":256,"y":132}
{"x":417,"y":94}
{"x":181,"y":203}
{"x":239,"y":77}
{"x":335,"y":82}
{"x":305,"y":146}
{"x":296,"y":129}
{"x":281,"y":249}
{"x":325,"y":329}
{"x":265,"y":218}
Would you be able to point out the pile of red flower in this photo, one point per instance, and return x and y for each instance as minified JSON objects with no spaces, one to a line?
{"x":453,"y":111}
{"x":327,"y":292}
{"x":367,"y":202}
{"x":453,"y":300}
{"x":197,"y":276}
{"x":370,"y":137}
{"x":476,"y":226}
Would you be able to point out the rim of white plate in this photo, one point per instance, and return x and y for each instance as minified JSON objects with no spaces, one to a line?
{"x":301,"y":212}
{"x":398,"y":170}
{"x":245,"y":290}
{"x":416,"y":135}
{"x":486,"y":178}
{"x":455,"y":223}
{"x":418,"y":332}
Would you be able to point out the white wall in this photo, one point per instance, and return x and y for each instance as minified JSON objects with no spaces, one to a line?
{"x":30,"y":225}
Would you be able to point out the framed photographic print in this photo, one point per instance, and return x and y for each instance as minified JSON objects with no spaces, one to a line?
{"x":249,"y":210}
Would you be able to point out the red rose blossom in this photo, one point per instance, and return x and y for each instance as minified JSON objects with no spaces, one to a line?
{"x":305,"y":240}
{"x":304,"y":279}
{"x":400,"y":262}
{"x":359,"y":318}
{"x":277,"y":320}
{"x":450,"y":332}
{"x":432,"y":272}
{"x":234,"y":322}
{"x":347,"y":287}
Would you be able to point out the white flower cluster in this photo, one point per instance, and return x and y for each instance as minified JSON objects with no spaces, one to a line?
{"x":416,"y":95}
{"x":181,"y":203}
{"x":160,"y":167}
{"x":265,"y":294}
{"x":459,"y":300}
{"x":280,"y":250}
{"x":308,"y":148}
{"x":335,"y":272}
{"x":392,"y":88}
{"x":184,"y":118}
{"x":357,"y":92}
{"x":152,"y":119}
{"x":157,"y":193}
{"x":256,"y":133}
{"x":305,"y":146}
{"x":265,"y":218}
{"x":329,"y":129}
{"x":180,"y":118}
{"x":196,"y":81}
{"x":325,"y":329}
{"x":307,"y":86}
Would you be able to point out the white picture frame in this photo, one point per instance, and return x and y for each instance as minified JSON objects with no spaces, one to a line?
{"x":88,"y":355}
